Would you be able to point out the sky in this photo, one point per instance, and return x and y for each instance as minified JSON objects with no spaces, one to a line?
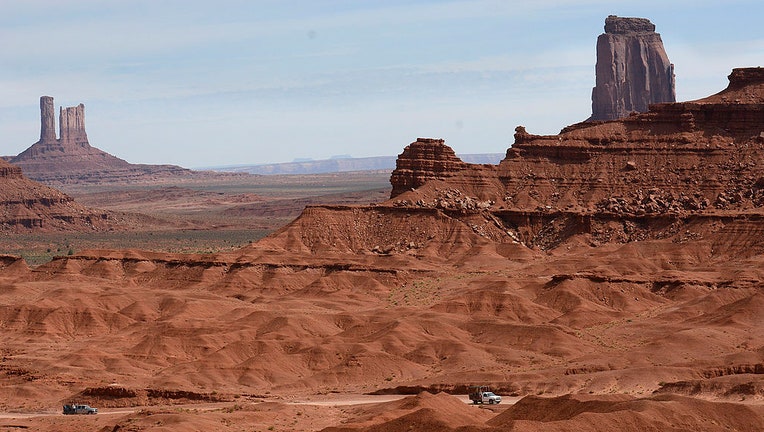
{"x":229,"y":82}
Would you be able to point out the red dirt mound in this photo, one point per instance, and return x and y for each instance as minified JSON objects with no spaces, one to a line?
{"x":422,"y":412}
{"x":598,"y":413}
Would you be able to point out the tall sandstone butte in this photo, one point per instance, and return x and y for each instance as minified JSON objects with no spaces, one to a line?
{"x":633,"y":70}
{"x":70,"y":157}
{"x":71,"y":121}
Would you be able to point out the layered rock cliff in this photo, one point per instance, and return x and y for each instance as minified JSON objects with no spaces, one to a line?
{"x":633,"y":70}
{"x":424,"y":159}
{"x":26,"y":204}
{"x":645,"y":176}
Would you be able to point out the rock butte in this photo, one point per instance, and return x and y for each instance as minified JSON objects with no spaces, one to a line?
{"x":685,"y":162}
{"x":71,"y":159}
{"x":633,"y":70}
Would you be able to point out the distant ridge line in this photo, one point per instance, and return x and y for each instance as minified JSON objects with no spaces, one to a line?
{"x":326,"y":166}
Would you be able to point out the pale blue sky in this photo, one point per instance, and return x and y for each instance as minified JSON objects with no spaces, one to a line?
{"x":201,"y":83}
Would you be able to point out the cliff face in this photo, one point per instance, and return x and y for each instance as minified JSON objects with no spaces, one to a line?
{"x":26,"y":204}
{"x":71,"y":121}
{"x":424,"y":159}
{"x":633,"y":70}
{"x":640,"y":177}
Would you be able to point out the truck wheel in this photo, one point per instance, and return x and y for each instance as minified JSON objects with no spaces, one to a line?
{"x":474,"y":402}
{"x":490,"y":401}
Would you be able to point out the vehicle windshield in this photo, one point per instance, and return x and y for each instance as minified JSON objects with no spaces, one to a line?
{"x":488,"y":394}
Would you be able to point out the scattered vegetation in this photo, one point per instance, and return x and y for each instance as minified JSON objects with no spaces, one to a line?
{"x":39,"y":248}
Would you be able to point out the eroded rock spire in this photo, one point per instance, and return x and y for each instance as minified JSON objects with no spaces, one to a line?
{"x":47,"y":120}
{"x":633,"y":70}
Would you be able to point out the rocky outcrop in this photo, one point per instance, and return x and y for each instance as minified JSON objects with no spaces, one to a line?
{"x":68,"y":156}
{"x":71,"y":120}
{"x":423,"y":160}
{"x":71,"y":159}
{"x":640,"y":177}
{"x":47,"y":120}
{"x":633,"y":70}
{"x":677,"y":157}
{"x":26,"y":204}
{"x":8,"y":171}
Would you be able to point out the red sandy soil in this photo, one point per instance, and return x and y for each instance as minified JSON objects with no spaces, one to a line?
{"x":632,"y":314}
{"x":132,"y":328}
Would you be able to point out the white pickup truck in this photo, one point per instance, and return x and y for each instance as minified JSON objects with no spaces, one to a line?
{"x":79,"y":409}
{"x":484,"y":396}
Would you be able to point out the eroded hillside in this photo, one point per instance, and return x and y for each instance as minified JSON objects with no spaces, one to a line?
{"x":618,"y":261}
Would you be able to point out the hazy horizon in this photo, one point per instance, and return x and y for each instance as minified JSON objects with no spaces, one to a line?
{"x":256,"y":82}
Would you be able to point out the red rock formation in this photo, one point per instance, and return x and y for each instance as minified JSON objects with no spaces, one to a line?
{"x":633,"y":70}
{"x":71,"y":158}
{"x":47,"y":120}
{"x":698,"y":158}
{"x":26,"y":204}
{"x":424,"y":159}
{"x":400,"y":296}
{"x":72,"y":123}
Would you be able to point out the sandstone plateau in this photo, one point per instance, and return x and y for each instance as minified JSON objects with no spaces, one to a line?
{"x":633,"y":70}
{"x":606,"y":278}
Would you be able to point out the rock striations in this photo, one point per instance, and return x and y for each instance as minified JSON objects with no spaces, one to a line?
{"x":613,"y":180}
{"x":633,"y":70}
{"x":26,"y":204}
{"x":423,"y":160}
{"x":71,"y":158}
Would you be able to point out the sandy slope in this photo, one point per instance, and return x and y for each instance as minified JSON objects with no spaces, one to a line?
{"x":122,"y":328}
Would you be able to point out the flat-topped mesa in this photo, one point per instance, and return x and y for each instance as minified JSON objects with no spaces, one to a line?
{"x":741,"y":77}
{"x":632,"y":71}
{"x":620,"y":25}
{"x":424,"y":159}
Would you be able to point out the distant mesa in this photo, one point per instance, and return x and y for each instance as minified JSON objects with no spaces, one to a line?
{"x":71,"y":152}
{"x":70,"y":157}
{"x":633,"y":70}
{"x":335,"y":165}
